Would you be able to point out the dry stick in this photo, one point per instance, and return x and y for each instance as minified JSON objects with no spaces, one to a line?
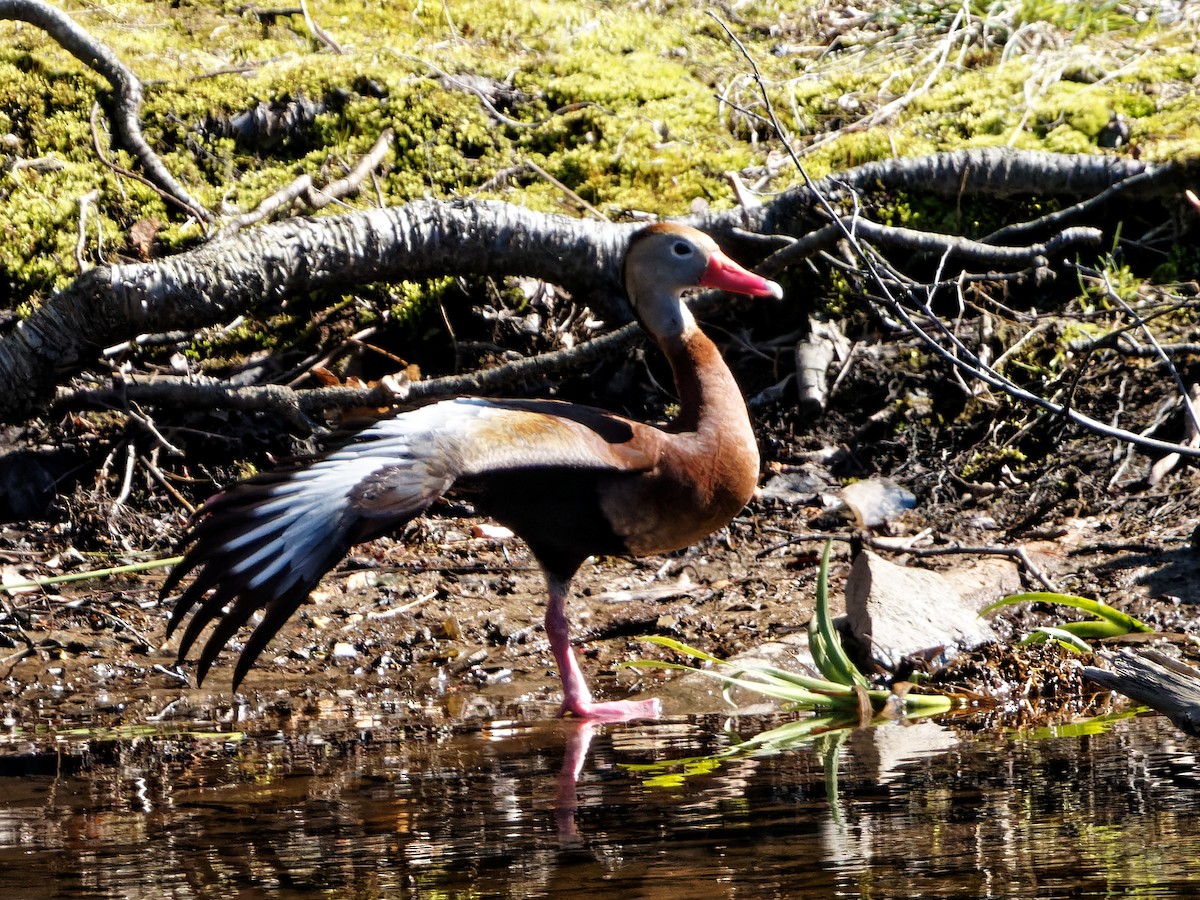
{"x":295,"y":407}
{"x":827,"y":236}
{"x":323,"y":362}
{"x":470,"y":88}
{"x":302,"y":189}
{"x":1131,"y":347}
{"x":102,"y":155}
{"x":127,"y":91}
{"x":1112,"y":295}
{"x":587,"y":207}
{"x":136,"y":413}
{"x":85,"y":205}
{"x":39,"y":583}
{"x":166,"y":485}
{"x":1191,"y":438}
{"x":352,"y":181}
{"x":318,"y":32}
{"x":1086,"y":344}
{"x":127,"y":481}
{"x":281,"y":199}
{"x":1017,"y":553}
{"x":972,"y":365}
{"x":967,"y":362}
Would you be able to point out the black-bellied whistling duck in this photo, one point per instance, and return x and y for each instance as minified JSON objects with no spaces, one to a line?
{"x":572,"y":481}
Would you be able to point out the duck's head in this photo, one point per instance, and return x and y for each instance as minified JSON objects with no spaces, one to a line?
{"x":665,"y":260}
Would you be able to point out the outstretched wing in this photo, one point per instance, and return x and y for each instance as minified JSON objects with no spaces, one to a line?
{"x":266,"y":542}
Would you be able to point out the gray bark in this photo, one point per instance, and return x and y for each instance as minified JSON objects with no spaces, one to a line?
{"x":268,"y":265}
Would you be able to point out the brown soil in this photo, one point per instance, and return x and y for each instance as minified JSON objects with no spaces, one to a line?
{"x":447,"y":626}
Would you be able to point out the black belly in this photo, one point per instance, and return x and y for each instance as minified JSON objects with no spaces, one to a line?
{"x":555,"y":511}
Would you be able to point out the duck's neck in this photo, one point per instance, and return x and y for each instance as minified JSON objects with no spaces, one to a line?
{"x":710,"y":401}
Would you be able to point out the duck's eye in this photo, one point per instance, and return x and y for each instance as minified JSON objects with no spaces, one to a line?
{"x":680,"y":248}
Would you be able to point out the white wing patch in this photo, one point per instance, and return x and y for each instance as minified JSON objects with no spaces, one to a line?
{"x":473,"y":436}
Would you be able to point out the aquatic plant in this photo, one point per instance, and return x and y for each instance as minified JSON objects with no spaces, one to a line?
{"x":1107,"y":622}
{"x":841,"y":687}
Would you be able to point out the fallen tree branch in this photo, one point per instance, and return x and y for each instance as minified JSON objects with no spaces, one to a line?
{"x":994,"y":172}
{"x":1148,"y":676}
{"x":127,"y":92}
{"x":965,"y":249}
{"x":297,"y":407}
{"x":268,"y":265}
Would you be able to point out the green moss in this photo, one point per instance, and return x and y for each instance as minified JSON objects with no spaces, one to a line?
{"x":620,"y":103}
{"x":1079,"y":18}
{"x":410,"y":300}
{"x":988,"y":465}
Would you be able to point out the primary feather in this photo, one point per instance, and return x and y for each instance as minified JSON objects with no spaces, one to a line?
{"x":266,"y":542}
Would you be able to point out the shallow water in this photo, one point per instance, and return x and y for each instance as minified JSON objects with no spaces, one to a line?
{"x":292,"y":809}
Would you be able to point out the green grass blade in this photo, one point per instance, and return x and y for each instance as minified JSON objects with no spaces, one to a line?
{"x":823,"y":638}
{"x":94,"y":573}
{"x":1094,"y":628}
{"x":682,"y":648}
{"x":1043,"y":633}
{"x":1097,"y":608}
{"x":791,"y":687}
{"x":789,"y":693}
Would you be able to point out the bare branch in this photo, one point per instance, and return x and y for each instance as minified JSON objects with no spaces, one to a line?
{"x":927,"y":242}
{"x":296,"y":407}
{"x":268,"y":265}
{"x":127,"y":91}
{"x":303,"y":189}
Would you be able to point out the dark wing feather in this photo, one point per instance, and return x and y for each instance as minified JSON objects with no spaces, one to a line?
{"x":265,"y":543}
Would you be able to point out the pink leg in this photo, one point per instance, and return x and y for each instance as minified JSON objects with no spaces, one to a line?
{"x":577,"y":699}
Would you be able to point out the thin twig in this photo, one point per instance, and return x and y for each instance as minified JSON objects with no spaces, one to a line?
{"x":127,"y":481}
{"x":166,"y":485}
{"x":85,"y":205}
{"x":318,"y":32}
{"x":1075,"y":211}
{"x":960,"y":357}
{"x":127,"y":91}
{"x":136,"y":413}
{"x":94,"y":573}
{"x":587,"y":207}
{"x":466,"y":86}
{"x":303,"y":189}
{"x":112,"y":166}
{"x":910,"y":239}
{"x":1166,"y":360}
{"x":878,"y":543}
{"x":1017,"y":553}
{"x":324,"y":361}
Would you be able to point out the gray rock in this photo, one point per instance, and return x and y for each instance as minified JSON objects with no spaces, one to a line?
{"x":895,"y":612}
